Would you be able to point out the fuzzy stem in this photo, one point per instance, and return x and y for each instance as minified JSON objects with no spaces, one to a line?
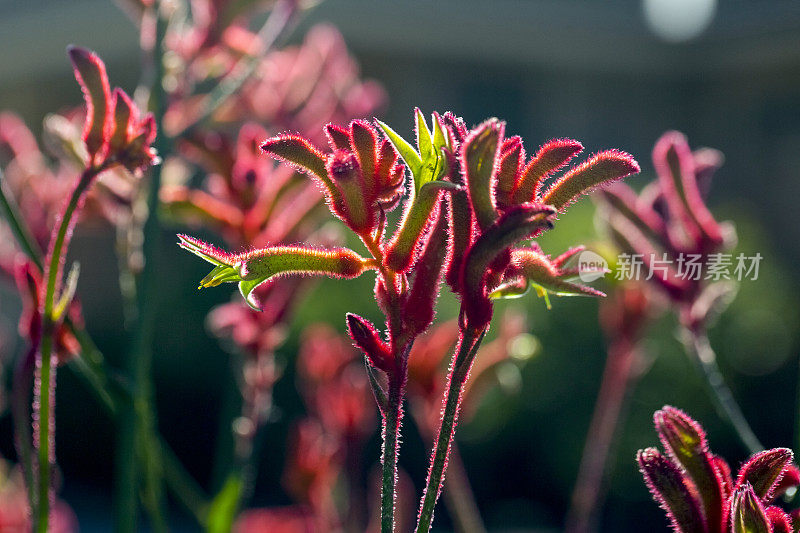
{"x":391,"y":434}
{"x":456,"y":490}
{"x":588,"y":493}
{"x":43,"y":402}
{"x":393,"y":416}
{"x":89,"y":365}
{"x":699,"y":348}
{"x":457,"y":377}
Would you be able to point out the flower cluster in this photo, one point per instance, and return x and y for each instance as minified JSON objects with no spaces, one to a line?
{"x":471,"y":201}
{"x":697,"y":491}
{"x":669,"y":220}
{"x":115,"y":137}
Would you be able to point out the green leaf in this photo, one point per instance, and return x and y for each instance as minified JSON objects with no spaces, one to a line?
{"x":440,"y":140}
{"x":427,"y":163}
{"x":377,"y":389}
{"x":510,"y":291}
{"x":406,"y":151}
{"x":400,"y":252}
{"x":69,"y":291}
{"x":225,"y":505}
{"x":480,"y":150}
{"x":424,"y":141}
{"x":747,"y":513}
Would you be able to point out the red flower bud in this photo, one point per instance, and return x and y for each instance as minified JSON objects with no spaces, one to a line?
{"x":514,"y":225}
{"x":747,"y":513}
{"x":779,"y":520}
{"x":368,"y":340}
{"x":686,"y":443}
{"x":600,"y":169}
{"x":552,"y":156}
{"x":91,"y":75}
{"x":764,"y":470}
{"x":672,"y":491}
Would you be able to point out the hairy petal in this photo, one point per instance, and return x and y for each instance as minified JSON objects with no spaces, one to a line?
{"x":747,"y":513}
{"x":537,"y":268}
{"x":426,"y":286}
{"x":552,"y":156}
{"x":338,"y":137}
{"x":764,"y":470}
{"x":675,"y":167}
{"x":91,"y":75}
{"x":510,"y":161}
{"x":251,"y":269}
{"x":479,"y":161}
{"x":299,"y":152}
{"x":673,"y":492}
{"x":513,"y":226}
{"x":686,"y":443}
{"x":600,"y":169}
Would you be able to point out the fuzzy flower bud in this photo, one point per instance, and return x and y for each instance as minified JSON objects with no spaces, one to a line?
{"x":251,"y":269}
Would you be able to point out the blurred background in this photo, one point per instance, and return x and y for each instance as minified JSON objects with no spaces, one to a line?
{"x":610,"y":74}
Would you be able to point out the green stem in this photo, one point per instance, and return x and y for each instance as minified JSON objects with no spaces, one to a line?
{"x":46,"y":381}
{"x":700,"y":350}
{"x":391,"y":434}
{"x":90,"y":365}
{"x":182,"y":485}
{"x":113,"y":396}
{"x":459,"y":372}
{"x":21,"y":232}
{"x":588,"y":494}
{"x":458,"y":495}
{"x":138,"y":443}
{"x":44,"y":444}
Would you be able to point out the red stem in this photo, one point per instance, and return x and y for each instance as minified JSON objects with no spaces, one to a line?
{"x":588,"y":495}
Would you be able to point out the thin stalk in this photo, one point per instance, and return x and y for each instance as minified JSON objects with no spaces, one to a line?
{"x":458,"y":495}
{"x":240,"y":479}
{"x":89,"y":365}
{"x":699,"y":348}
{"x":393,"y":415}
{"x":459,"y":372}
{"x":43,"y":408}
{"x":588,"y":494}
{"x":182,"y":485}
{"x":281,"y":18}
{"x":21,"y":231}
{"x":21,"y":387}
{"x":391,"y":434}
{"x":137,"y":432}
